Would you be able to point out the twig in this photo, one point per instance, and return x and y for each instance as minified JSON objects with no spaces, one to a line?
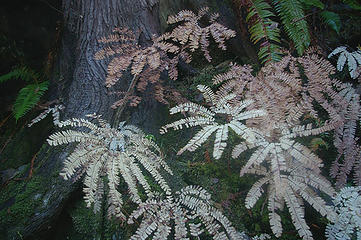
{"x":299,"y":19}
{"x":128,"y":93}
{"x":51,"y":6}
{"x":32,"y":166}
{"x":3,"y":121}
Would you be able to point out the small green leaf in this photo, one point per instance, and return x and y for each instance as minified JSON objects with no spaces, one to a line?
{"x":150,"y":137}
{"x":332,"y":19}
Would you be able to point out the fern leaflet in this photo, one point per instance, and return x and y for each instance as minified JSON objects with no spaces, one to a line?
{"x":23,"y":73}
{"x":264,"y":30}
{"x":293,"y":19}
{"x":28,"y":97}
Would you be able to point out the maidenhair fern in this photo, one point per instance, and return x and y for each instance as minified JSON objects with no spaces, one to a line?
{"x":125,"y":154}
{"x":190,"y":213}
{"x":116,"y":153}
{"x":221,"y":116}
{"x":353,"y":60}
{"x":348,"y":223}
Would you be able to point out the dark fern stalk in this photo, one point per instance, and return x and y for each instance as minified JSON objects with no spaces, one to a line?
{"x":264,"y":30}
{"x":294,"y":22}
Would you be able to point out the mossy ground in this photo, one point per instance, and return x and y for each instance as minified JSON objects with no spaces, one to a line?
{"x":19,"y":199}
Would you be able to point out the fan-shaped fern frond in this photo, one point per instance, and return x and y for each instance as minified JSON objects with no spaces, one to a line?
{"x":220,"y":116}
{"x":112,"y":152}
{"x":292,"y":186}
{"x":353,"y":60}
{"x":28,"y":97}
{"x":189,"y":213}
{"x":294,"y":22}
{"x":347,"y":225}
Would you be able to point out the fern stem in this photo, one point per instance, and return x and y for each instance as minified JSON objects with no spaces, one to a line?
{"x":122,"y":107}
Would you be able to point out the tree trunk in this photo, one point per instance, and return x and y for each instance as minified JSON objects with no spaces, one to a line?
{"x":79,"y":84}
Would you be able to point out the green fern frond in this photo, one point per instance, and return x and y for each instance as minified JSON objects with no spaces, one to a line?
{"x":353,"y":4}
{"x":28,"y":97}
{"x":332,"y":19}
{"x":23,"y":73}
{"x":294,"y":22}
{"x":314,"y":3}
{"x":264,"y":30}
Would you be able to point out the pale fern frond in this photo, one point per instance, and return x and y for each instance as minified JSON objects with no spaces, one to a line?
{"x":238,"y":149}
{"x":255,"y":192}
{"x":55,"y":112}
{"x":189,"y":213}
{"x":220,"y":143}
{"x":257,"y":157}
{"x":353,"y":60}
{"x":347,"y":225}
{"x":223,"y":113}
{"x":274,"y":217}
{"x":112,"y":152}
{"x":199,"y":138}
{"x":297,"y":214}
{"x":208,"y":94}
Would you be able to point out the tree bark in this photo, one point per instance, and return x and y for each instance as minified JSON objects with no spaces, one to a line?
{"x":79,"y":84}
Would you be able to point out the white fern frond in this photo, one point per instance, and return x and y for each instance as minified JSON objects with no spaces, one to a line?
{"x":273,"y":206}
{"x":347,"y":205}
{"x":353,"y":60}
{"x":113,"y":152}
{"x":207,"y":93}
{"x":220,"y":143}
{"x":223,"y":113}
{"x":191,"y":207}
{"x":297,"y":214}
{"x":255,"y":192}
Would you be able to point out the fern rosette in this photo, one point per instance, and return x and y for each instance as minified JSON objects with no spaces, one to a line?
{"x":106,"y":151}
{"x":190,"y":213}
{"x":221,"y":115}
